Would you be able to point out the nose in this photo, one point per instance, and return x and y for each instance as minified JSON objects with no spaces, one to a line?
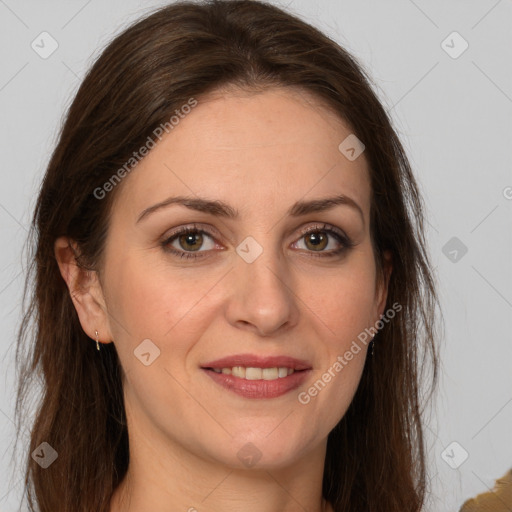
{"x":263,"y":298}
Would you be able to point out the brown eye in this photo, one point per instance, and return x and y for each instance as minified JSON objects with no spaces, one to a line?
{"x":324,"y":241}
{"x":191,"y":241}
{"x":317,"y":241}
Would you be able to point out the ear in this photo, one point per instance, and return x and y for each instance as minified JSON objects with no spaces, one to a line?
{"x":383,"y":284}
{"x":85,"y":290}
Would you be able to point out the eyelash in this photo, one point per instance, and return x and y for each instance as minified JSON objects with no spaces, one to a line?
{"x":345,"y":242}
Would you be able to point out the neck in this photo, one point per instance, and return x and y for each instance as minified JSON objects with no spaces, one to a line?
{"x":163,"y":475}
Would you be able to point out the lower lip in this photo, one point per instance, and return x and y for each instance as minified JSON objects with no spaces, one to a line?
{"x":259,"y":388}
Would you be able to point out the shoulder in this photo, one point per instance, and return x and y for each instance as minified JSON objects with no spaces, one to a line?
{"x":498,"y":499}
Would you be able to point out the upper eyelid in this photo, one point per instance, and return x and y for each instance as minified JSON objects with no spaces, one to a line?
{"x":195,"y":227}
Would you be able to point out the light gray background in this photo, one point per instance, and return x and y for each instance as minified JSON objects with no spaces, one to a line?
{"x":454,"y":116}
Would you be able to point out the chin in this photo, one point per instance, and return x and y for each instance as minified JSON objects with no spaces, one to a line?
{"x":265,"y":453}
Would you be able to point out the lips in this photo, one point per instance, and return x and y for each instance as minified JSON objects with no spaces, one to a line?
{"x":254,"y":376}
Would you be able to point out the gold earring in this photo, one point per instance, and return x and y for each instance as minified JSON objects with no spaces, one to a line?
{"x":97,"y":341}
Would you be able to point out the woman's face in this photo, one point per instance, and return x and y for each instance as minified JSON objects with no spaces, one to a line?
{"x":242,"y":289}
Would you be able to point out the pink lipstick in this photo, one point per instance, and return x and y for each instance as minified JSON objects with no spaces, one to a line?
{"x":253,"y":376}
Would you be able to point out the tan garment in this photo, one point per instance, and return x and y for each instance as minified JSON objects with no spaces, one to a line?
{"x":498,"y":499}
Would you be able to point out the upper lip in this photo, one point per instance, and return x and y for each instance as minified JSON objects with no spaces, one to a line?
{"x":255,"y":361}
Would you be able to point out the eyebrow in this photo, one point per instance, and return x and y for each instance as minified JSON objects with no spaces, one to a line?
{"x":222,"y":209}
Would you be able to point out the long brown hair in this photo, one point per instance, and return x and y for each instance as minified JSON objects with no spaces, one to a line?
{"x":376,"y":454}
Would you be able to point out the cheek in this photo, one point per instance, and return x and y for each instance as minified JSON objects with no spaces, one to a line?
{"x":344,"y":301}
{"x":140,"y":295}
{"x":167,"y":307}
{"x":158,"y":302}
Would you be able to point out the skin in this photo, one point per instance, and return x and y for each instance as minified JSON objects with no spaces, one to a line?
{"x":260,"y":153}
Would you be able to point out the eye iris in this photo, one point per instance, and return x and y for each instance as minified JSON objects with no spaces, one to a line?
{"x":319,"y":240}
{"x":195,"y":239}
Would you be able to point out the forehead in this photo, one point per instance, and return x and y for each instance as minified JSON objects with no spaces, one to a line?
{"x":260,"y":152}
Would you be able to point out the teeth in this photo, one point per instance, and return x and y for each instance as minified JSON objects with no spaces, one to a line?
{"x":270,"y":373}
{"x":238,"y":371}
{"x":251,"y":373}
{"x":283,"y":372}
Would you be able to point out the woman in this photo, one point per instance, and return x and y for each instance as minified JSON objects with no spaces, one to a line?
{"x":233,"y":300}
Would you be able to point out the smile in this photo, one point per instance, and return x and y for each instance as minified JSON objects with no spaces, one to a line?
{"x":252,"y":373}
